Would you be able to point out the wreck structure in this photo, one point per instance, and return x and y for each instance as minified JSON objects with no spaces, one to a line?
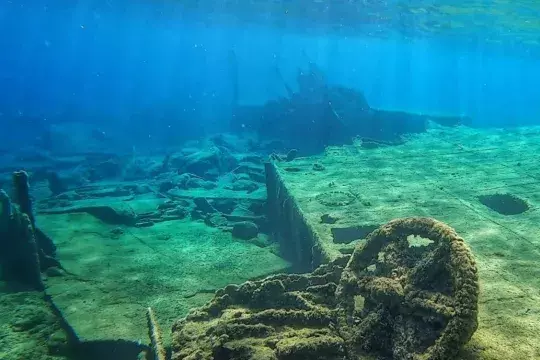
{"x":318,"y":115}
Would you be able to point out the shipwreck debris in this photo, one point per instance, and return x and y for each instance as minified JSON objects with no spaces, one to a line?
{"x":319,"y":114}
{"x":386,"y":300}
{"x":25,"y":250}
{"x":156,"y":336}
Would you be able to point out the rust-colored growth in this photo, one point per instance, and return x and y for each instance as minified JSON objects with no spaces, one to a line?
{"x":388,"y":300}
{"x":156,"y":337}
{"x":419,"y":302}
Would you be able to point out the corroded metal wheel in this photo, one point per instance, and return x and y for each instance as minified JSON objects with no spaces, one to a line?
{"x":410,"y":292}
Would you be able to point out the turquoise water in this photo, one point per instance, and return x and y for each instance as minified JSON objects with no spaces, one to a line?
{"x":171,"y":148}
{"x":113,"y":60}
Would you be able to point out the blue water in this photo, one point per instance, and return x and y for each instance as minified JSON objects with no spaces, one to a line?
{"x":114,"y":63}
{"x":98,"y":102}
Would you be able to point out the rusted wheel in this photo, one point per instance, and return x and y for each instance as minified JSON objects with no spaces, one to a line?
{"x":410,"y":292}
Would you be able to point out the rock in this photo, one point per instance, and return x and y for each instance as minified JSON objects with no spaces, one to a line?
{"x":242,"y":211}
{"x":116,"y":233}
{"x":56,"y":185}
{"x":204,"y":161}
{"x":197,"y":214}
{"x":245,"y":230}
{"x":249,"y":171}
{"x":254,"y":159}
{"x":141,"y":189}
{"x":233,"y":142}
{"x":318,"y":167}
{"x":243,"y":185}
{"x":203,"y":205}
{"x":141,"y":168}
{"x":195,"y":182}
{"x":212,"y":174}
{"x":215,"y":220}
{"x":165,"y":186}
{"x":225,"y":206}
{"x":329,"y":219}
{"x":109,"y":169}
{"x":58,"y":343}
{"x":241,"y":176}
{"x":182,"y":180}
{"x":229,"y":141}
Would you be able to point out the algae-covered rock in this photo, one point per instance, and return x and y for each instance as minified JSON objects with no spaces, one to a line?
{"x":243,"y":185}
{"x":245,"y":230}
{"x":29,"y":328}
{"x":201,"y":162}
{"x":108,"y":169}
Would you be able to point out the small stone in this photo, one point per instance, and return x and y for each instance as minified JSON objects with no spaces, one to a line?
{"x":116,"y":232}
{"x":245,"y":230}
{"x":328,"y":219}
{"x":318,"y":167}
{"x":58,"y":343}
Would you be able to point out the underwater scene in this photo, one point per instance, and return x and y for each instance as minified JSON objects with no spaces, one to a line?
{"x":269,"y":180}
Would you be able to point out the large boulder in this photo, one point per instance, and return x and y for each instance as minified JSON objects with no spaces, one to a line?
{"x":205,"y":162}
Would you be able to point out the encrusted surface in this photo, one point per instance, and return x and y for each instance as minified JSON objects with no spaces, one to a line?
{"x":441,"y":174}
{"x":419,"y":303}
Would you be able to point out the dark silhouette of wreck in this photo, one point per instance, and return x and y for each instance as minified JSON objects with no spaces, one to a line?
{"x":319,"y":115}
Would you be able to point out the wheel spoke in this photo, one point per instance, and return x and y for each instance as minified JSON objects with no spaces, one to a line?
{"x":428,"y":304}
{"x":422,"y":291}
{"x":429,"y":267}
{"x":381,"y":290}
